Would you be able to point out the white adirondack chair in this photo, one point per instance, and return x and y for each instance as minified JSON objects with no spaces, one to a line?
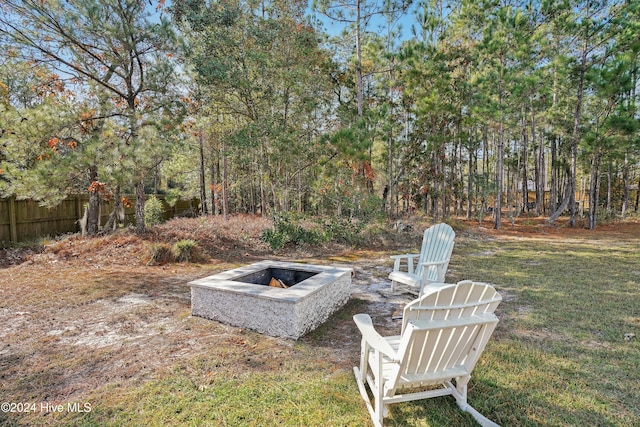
{"x":438,"y":344}
{"x":445,"y":301}
{"x":432,"y":261}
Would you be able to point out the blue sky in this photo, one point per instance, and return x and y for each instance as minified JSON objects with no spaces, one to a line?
{"x":334,"y":28}
{"x":376,"y":26}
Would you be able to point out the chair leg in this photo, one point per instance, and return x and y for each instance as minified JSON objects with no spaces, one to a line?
{"x":461,"y":391}
{"x":375,"y":414}
{"x":480,"y":419}
{"x":378,"y":406}
{"x":378,"y":390}
{"x":460,"y":394}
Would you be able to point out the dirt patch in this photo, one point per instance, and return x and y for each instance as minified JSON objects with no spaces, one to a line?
{"x":83,"y":313}
{"x":538,"y":227}
{"x":15,"y":256}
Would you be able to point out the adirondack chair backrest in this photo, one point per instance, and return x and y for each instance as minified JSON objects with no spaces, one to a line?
{"x":434,"y":351}
{"x":453,"y":301}
{"x":437,"y":245}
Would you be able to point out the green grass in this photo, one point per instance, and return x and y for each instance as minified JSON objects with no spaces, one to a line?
{"x":559,"y":355}
{"x":557,"y":358}
{"x":290,"y":397}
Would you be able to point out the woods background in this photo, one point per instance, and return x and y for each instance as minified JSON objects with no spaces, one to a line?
{"x":340,"y":108}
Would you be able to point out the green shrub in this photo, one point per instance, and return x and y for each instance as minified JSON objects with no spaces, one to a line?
{"x":186,"y":250}
{"x":159,"y":253}
{"x":287,"y":229}
{"x":153,"y":211}
{"x":274,"y":239}
{"x":370,"y":208}
{"x":342,"y":230}
{"x":457,"y":224}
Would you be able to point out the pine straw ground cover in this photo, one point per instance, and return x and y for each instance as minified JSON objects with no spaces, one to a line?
{"x":88,"y":324}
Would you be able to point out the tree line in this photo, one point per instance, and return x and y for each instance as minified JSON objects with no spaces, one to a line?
{"x":444,"y":107}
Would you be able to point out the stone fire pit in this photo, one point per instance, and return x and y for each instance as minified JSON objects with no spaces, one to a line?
{"x":242,"y":297}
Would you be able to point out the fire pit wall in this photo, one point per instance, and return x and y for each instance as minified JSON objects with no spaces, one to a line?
{"x":242,"y":297}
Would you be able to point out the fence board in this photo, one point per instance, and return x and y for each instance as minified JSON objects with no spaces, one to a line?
{"x":22,"y":220}
{"x":5,"y":220}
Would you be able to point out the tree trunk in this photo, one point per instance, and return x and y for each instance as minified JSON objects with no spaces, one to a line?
{"x":472,"y":163}
{"x":626,"y":183}
{"x":540,"y":178}
{"x":117,"y":214}
{"x":252,"y":202}
{"x":140,"y":199}
{"x":263,"y":196}
{"x":156,"y":176}
{"x":554,"y":174}
{"x":554,"y":149}
{"x":390,"y":189}
{"x":214,"y":179}
{"x":525,"y":167}
{"x":485,"y":151}
{"x":562,"y":207}
{"x":541,"y":207}
{"x":203,"y":190}
{"x":460,"y":162}
{"x":609,"y":184}
{"x":594,"y":188}
{"x":436,"y":186}
{"x":300,"y":194}
{"x":575,"y":136}
{"x":93,"y":218}
{"x":499,"y":166}
{"x":225,"y":195}
{"x":637,"y":205}
{"x":359,"y":82}
{"x":632,"y":101}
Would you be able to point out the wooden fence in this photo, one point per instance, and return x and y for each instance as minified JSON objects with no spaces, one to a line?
{"x":23,"y":220}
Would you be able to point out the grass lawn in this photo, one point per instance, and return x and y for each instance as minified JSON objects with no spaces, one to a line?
{"x":90,"y":335}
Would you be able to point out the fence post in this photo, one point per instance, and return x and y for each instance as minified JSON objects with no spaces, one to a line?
{"x":13,"y":226}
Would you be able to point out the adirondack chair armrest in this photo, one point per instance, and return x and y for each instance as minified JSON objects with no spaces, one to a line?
{"x":430,"y":263}
{"x":409,"y":257}
{"x":372,"y":337}
{"x":440,"y":266}
{"x":404,"y":256}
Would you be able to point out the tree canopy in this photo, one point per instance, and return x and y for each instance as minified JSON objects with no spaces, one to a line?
{"x":443,"y":107}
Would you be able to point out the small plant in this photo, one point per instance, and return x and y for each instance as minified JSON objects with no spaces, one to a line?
{"x":159,"y":253}
{"x":186,"y":250}
{"x":153,"y":211}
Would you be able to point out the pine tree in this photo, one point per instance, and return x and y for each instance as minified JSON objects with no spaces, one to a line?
{"x":116,"y":46}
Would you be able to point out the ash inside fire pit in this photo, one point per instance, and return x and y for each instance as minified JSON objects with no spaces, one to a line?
{"x":287,"y":276}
